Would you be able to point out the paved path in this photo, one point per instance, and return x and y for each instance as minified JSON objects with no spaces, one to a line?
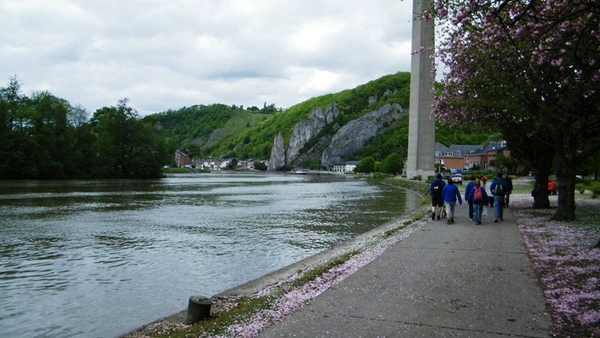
{"x":458,"y":280}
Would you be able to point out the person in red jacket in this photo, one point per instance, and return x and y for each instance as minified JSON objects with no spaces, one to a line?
{"x":551,"y":188}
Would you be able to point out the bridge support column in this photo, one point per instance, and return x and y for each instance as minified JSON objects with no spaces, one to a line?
{"x":421,"y":131}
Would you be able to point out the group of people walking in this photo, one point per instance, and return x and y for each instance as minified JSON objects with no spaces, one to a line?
{"x":445,"y":195}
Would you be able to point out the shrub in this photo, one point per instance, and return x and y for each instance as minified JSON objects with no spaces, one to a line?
{"x":595,"y":188}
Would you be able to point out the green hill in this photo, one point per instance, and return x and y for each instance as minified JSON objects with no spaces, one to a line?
{"x":220,"y":131}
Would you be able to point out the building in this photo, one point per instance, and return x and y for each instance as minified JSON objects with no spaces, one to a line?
{"x":347,"y":167}
{"x":182,"y":159}
{"x":469,"y":156}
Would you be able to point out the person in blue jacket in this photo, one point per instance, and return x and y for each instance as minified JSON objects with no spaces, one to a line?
{"x":498,"y":189}
{"x":450,"y":194}
{"x":437,"y":201}
{"x":467,"y":190}
{"x":478,"y":197}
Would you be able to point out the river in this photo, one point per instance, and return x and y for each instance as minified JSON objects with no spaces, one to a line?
{"x":98,"y":258}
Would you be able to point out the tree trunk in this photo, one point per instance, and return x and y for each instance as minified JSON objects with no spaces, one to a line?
{"x":540,"y":190}
{"x":565,"y":210}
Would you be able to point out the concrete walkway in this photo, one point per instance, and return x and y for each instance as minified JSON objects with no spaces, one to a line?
{"x":458,"y":280}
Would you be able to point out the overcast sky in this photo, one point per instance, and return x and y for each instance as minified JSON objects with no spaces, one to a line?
{"x":169,"y":54}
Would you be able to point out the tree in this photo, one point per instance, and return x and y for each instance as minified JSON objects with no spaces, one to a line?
{"x":11,"y":101}
{"x":526,"y":62}
{"x":78,"y":116}
{"x":392,"y":164}
{"x":52,"y":135}
{"x":508,"y":163}
{"x":367,"y":165}
{"x":193,"y":150}
{"x":126,"y":146}
{"x":591,"y":167}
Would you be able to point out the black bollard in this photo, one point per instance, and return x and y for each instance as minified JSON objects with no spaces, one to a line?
{"x":198,"y":309}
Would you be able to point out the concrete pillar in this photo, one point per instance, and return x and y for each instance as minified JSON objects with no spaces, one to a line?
{"x":421,"y":130}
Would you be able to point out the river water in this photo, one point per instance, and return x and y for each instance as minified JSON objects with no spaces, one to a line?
{"x":98,"y":258}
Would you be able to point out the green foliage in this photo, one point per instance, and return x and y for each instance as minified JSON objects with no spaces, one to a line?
{"x":176,"y":171}
{"x":253,"y":135}
{"x":583,"y":185}
{"x":126,"y":146}
{"x":367,"y":165}
{"x":36,"y":138}
{"x":205,"y":125}
{"x":595,"y":188}
{"x":257,"y":141}
{"x":393,"y":140}
{"x":509,"y":163}
{"x":471,"y":134}
{"x":392,"y":164}
{"x":258,"y":165}
{"x":43,"y":136}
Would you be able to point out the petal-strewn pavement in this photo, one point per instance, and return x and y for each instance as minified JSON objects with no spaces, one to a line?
{"x":459,"y":280}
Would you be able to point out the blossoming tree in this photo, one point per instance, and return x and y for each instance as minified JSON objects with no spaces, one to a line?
{"x":526,"y":67}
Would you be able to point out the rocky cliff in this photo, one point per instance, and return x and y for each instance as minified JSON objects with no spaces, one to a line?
{"x":331,"y":148}
{"x":353,"y":136}
{"x":278,"y":159}
{"x":305,"y":130}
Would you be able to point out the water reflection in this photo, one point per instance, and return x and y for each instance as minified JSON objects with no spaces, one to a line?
{"x":73,"y":249}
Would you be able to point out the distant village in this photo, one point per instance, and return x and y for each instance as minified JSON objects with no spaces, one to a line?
{"x":454,"y":157}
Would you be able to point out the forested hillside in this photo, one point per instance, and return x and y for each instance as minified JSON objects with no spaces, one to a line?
{"x":219,"y":131}
{"x":195,"y":129}
{"x":43,"y":136}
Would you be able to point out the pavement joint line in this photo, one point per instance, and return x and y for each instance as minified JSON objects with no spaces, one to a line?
{"x":425,"y":325}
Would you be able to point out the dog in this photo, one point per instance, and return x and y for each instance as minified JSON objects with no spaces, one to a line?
{"x":443,"y":214}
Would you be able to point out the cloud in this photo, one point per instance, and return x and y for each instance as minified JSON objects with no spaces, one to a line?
{"x":169,"y":54}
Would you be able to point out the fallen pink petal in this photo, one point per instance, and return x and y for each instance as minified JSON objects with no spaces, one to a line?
{"x":567,"y":263}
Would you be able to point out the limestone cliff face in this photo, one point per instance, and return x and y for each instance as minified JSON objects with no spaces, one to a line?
{"x":309,"y":128}
{"x":353,"y":136}
{"x":331,"y":149}
{"x":278,"y":159}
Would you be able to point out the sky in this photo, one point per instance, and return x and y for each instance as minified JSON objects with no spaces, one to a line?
{"x":163,"y":55}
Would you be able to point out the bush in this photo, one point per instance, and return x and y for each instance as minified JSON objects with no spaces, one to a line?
{"x":392,"y":164}
{"x":595,"y":188}
{"x":367,"y":165}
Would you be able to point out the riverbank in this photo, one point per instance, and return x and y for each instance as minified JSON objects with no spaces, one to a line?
{"x":250,"y":308}
{"x":562,"y":255}
{"x":324,"y":269}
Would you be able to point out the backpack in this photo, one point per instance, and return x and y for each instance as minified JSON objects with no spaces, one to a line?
{"x":478,"y":195}
{"x":437,"y":187}
{"x":499,"y":189}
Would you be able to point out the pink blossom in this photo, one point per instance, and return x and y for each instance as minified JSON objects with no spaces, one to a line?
{"x":568,"y":266}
